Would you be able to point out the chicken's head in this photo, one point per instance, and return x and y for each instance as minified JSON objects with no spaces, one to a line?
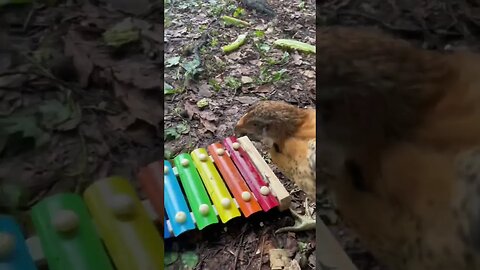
{"x":269,"y":121}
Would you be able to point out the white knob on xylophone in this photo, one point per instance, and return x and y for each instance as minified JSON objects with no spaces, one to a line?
{"x":203,"y":157}
{"x":204,"y":209}
{"x":165,"y":169}
{"x":122,"y":205}
{"x":264,"y":190}
{"x":225,"y":203}
{"x":181,"y":217}
{"x":246,"y":196}
{"x":184,"y":162}
{"x":65,"y":221}
{"x":7,"y":245}
{"x":236,"y":145}
{"x":220,"y":151}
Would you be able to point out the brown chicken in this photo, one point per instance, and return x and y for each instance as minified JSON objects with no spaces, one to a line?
{"x":289,"y":133}
{"x":399,"y":147}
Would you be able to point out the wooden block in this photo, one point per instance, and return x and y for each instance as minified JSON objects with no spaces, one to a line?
{"x":283,"y":196}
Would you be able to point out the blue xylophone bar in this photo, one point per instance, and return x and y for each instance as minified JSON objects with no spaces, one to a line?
{"x":175,"y":204}
{"x":14,"y":254}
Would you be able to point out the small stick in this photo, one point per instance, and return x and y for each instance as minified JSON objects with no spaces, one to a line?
{"x":238,"y":251}
{"x":27,"y":21}
{"x":261,"y":253}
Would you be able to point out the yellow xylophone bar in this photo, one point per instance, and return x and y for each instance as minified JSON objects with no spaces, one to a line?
{"x":124,"y":225}
{"x":216,"y":188}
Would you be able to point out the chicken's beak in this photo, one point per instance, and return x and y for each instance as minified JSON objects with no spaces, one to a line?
{"x":238,"y":128}
{"x":238,"y":131}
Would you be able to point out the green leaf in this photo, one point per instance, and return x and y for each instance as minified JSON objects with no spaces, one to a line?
{"x":167,"y":154}
{"x":238,"y":12}
{"x":172,"y":61}
{"x":202,"y":103}
{"x":171,"y":134}
{"x":214,"y":42}
{"x":189,"y":259}
{"x":277,"y":76}
{"x":259,"y":33}
{"x":183,"y":128}
{"x":264,"y":47}
{"x":75,"y":116}
{"x":122,"y":33}
{"x":20,"y":133}
{"x":53,"y":113}
{"x":168,"y":89}
{"x":285,"y":57}
{"x":233,"y":83}
{"x":191,"y":66}
{"x":216,"y":86}
{"x":170,"y":257}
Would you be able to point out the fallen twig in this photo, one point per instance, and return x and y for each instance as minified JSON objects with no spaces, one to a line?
{"x":238,"y":251}
{"x":27,"y":21}
{"x":261,"y":252}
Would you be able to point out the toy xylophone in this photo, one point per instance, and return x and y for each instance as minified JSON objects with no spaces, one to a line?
{"x":109,"y":227}
{"x":220,"y":182}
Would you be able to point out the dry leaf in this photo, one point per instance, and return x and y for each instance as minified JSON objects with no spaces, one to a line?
{"x":309,"y":74}
{"x":142,"y":107}
{"x":204,"y":90}
{"x":75,"y":47}
{"x":143,"y":76}
{"x":246,"y":79}
{"x":210,"y":126}
{"x":191,"y":110}
{"x":121,"y":121}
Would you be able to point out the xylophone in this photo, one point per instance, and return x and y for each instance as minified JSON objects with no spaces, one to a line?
{"x":221,"y":182}
{"x":109,"y":227}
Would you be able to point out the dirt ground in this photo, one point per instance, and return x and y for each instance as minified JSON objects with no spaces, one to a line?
{"x":80,"y":97}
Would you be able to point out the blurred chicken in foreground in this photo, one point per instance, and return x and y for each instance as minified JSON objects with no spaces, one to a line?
{"x":399,"y":147}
